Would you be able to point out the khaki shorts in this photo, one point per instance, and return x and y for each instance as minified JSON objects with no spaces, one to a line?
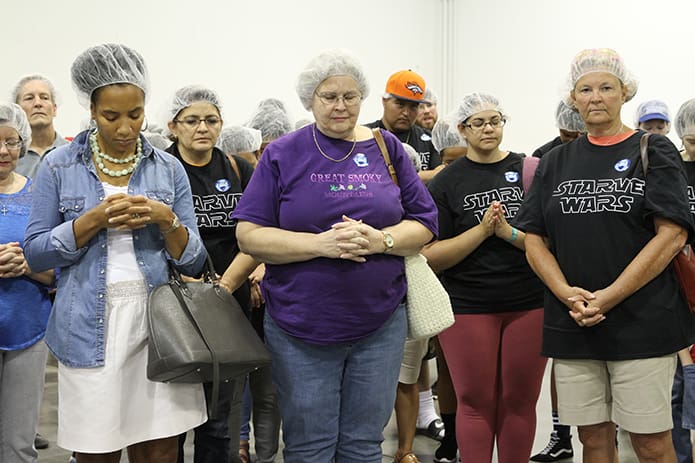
{"x":413,"y":353}
{"x":635,"y":394}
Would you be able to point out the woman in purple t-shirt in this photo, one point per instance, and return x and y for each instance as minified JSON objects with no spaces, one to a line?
{"x":323,"y":214}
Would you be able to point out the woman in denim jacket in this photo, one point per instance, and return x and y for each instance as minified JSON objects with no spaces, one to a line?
{"x":108,"y":212}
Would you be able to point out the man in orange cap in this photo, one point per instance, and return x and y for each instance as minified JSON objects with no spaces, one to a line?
{"x":405,"y":90}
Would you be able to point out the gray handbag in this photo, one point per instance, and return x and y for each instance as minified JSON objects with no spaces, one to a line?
{"x":199,"y":333}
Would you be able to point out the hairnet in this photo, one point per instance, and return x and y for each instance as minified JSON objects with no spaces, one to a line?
{"x":445,"y":134}
{"x":26,"y":79}
{"x":413,"y":156}
{"x":271,"y":120}
{"x":328,"y":64}
{"x":430,"y":96}
{"x":685,"y":119}
{"x":566,"y":118}
{"x":302,"y":123}
{"x":238,"y":139}
{"x":12,"y":115}
{"x":186,"y":96}
{"x":475,"y":103}
{"x":602,"y":60}
{"x":107,"y":64}
{"x":157,"y":140}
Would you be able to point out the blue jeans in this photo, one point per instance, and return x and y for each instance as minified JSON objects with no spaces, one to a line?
{"x":211,"y":443}
{"x":681,"y":411}
{"x":335,"y":400}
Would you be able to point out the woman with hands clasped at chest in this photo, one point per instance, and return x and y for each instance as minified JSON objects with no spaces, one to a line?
{"x":602,"y":236}
{"x":110,"y":212}
{"x":492,"y":350}
{"x":332,"y":228}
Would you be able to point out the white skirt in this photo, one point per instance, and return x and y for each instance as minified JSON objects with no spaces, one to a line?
{"x":106,"y":409}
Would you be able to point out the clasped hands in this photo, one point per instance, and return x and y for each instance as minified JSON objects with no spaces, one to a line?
{"x":12,"y":261}
{"x":495,"y":223}
{"x":125,"y":212}
{"x":351,"y":240}
{"x":588,"y":308}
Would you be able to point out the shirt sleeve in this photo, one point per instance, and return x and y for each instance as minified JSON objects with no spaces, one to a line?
{"x":666,"y":190}
{"x":261,"y":198}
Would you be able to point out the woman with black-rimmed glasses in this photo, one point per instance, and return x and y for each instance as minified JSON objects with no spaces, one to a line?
{"x":217,"y":182}
{"x":492,"y":349}
{"x":332,"y":228}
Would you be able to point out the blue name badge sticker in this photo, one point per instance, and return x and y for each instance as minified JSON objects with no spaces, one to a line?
{"x":360,"y":160}
{"x":622,"y":165}
{"x":222,"y":185}
{"x":511,"y":176}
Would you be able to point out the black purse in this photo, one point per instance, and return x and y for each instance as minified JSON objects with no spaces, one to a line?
{"x":199,"y":333}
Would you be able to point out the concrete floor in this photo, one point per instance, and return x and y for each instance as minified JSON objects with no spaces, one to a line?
{"x":424,"y":447}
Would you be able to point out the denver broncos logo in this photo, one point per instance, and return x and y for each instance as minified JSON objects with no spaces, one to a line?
{"x":414,"y":87}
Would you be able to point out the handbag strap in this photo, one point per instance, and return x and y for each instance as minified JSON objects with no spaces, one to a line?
{"x":643,"y":144}
{"x":528,"y":170}
{"x":385,"y":154}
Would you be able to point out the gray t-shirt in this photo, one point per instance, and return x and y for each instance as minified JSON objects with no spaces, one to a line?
{"x":28,"y":164}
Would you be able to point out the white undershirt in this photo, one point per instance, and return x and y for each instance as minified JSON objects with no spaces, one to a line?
{"x":121,"y":264}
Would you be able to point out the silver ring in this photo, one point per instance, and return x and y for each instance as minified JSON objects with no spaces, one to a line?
{"x":135,"y":216}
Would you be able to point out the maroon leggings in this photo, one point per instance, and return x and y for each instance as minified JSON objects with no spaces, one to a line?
{"x":497,"y":371}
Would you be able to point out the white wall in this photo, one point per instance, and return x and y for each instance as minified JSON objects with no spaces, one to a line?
{"x":517,"y":50}
{"x":246,"y":51}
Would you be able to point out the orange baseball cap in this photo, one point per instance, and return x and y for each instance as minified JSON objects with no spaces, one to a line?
{"x":407,"y":85}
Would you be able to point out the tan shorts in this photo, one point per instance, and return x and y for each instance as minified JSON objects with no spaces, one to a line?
{"x":413,"y":353}
{"x":635,"y":394}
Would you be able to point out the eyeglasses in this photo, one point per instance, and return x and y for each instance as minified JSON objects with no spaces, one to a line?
{"x":11,"y":145}
{"x":332,"y":99}
{"x":193,"y":122}
{"x":479,"y":124}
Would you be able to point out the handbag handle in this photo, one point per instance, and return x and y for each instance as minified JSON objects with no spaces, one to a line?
{"x":385,"y":154}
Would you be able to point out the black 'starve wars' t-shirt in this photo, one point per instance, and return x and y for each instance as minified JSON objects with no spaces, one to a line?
{"x":597,"y":211}
{"x":216,"y":191}
{"x":418,"y":138}
{"x":495,"y":277}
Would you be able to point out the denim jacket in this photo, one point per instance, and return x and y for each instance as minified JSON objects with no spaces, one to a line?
{"x":66,"y":187}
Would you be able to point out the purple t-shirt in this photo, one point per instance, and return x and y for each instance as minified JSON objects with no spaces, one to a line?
{"x":296,"y":188}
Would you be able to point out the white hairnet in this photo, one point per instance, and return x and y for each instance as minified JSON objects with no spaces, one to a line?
{"x":12,"y":115}
{"x":413,"y":156}
{"x":685,"y":119}
{"x":238,"y":139}
{"x":566,"y":118}
{"x":445,"y":134}
{"x":157,"y":140}
{"x":475,"y":103}
{"x":602,"y":60}
{"x":107,"y":64}
{"x":186,"y":96}
{"x":430,"y":96}
{"x":302,"y":123}
{"x":328,"y":64}
{"x":271,"y":119}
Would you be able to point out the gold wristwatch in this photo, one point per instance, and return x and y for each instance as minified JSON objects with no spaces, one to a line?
{"x":388,"y":241}
{"x":175,"y":224}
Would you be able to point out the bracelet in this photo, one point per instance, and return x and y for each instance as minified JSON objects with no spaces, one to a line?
{"x":515,"y":233}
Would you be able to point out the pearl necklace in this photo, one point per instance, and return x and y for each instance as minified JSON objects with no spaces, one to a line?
{"x":316,"y":142}
{"x":134,"y":158}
